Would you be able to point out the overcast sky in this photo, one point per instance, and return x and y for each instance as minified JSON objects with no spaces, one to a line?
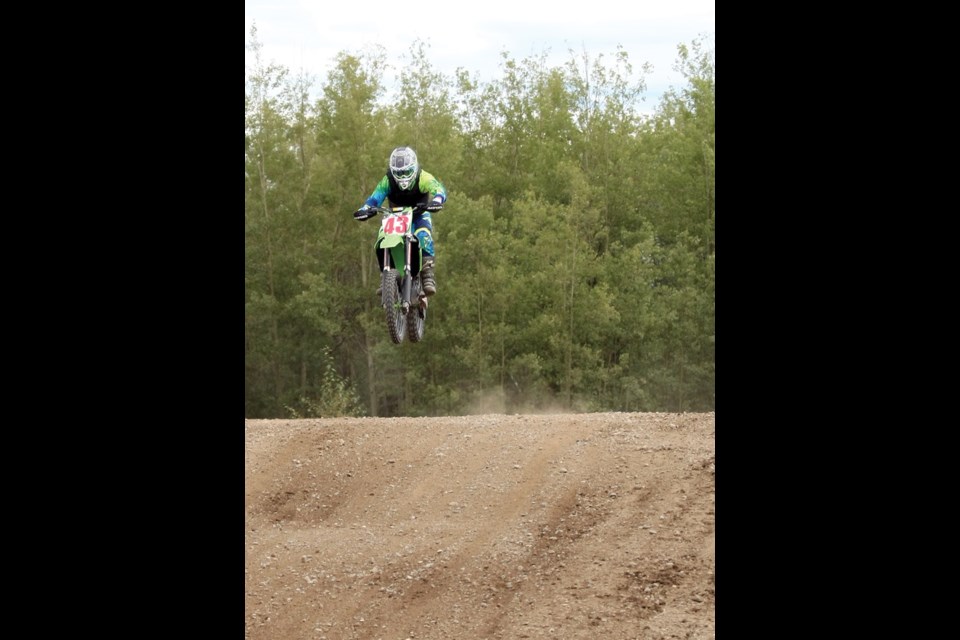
{"x":307,"y":34}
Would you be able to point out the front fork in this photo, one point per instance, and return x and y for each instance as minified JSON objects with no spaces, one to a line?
{"x":407,"y":271}
{"x":409,"y":240}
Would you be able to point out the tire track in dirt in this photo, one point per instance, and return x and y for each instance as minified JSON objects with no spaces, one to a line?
{"x":519,"y":475}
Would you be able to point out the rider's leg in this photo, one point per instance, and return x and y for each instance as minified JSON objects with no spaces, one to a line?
{"x":423,"y":229}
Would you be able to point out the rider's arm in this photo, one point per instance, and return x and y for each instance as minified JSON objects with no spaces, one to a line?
{"x":430,"y":184}
{"x":380,"y":193}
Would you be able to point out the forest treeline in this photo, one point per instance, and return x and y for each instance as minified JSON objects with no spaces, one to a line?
{"x":575,"y":253}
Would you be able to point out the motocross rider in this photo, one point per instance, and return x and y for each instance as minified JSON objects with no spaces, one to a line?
{"x":406,"y":184}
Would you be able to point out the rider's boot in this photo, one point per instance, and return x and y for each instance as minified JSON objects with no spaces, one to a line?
{"x":427,"y":280}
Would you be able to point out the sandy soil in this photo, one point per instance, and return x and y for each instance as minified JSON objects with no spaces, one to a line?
{"x":588,"y":526}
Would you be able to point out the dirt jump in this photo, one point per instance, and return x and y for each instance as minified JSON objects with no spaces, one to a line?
{"x":567,"y":526}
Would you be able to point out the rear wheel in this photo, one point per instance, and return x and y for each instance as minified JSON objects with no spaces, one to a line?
{"x":417,"y":315}
{"x":396,"y":319}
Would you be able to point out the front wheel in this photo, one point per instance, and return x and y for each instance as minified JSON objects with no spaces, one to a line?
{"x":392,"y":304}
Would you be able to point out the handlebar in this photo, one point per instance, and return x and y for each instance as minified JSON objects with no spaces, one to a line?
{"x":366,"y":214}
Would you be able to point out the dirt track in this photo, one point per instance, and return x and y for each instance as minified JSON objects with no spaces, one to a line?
{"x":587,"y":526}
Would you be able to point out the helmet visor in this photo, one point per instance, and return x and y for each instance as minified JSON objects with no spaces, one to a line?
{"x":405,"y":173}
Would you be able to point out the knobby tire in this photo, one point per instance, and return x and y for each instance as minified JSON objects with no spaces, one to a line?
{"x":396,"y":319}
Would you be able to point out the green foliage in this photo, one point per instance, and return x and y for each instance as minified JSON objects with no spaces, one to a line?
{"x":575,"y":254}
{"x":335,"y":398}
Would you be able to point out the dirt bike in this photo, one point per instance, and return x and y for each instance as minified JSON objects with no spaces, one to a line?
{"x":399,"y":255}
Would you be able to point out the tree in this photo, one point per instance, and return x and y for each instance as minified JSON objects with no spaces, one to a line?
{"x":576,"y":250}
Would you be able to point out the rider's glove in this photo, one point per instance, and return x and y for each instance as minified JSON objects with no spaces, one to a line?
{"x":435,"y":205}
{"x":364,"y":213}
